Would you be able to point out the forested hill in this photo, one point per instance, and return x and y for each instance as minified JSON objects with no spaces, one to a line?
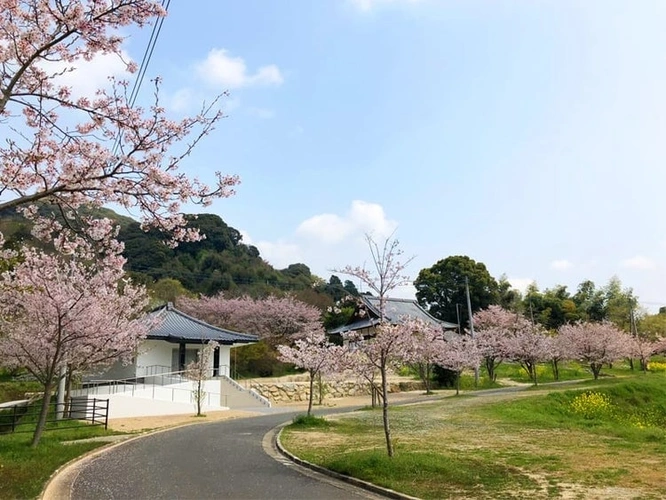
{"x":220,"y":262}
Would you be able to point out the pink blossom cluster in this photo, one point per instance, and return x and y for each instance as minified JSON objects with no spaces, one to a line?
{"x":74,"y":151}
{"x":59,"y":310}
{"x":276,"y":319}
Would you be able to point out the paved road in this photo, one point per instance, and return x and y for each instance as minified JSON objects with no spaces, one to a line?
{"x":226,"y":459}
{"x":216,"y":460}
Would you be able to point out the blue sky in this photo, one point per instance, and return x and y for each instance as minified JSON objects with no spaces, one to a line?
{"x":527,"y":135}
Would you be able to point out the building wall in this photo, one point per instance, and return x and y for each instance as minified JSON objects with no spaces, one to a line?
{"x":154,"y":358}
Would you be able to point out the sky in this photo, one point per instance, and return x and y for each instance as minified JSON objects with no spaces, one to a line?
{"x":530,"y":136}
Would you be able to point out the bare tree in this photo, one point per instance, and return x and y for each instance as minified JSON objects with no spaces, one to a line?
{"x":388,"y":274}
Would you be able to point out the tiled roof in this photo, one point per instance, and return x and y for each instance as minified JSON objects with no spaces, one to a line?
{"x":176,"y":326}
{"x":394,"y":310}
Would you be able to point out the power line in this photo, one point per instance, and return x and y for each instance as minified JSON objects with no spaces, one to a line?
{"x":145,"y":61}
{"x":148,"y":54}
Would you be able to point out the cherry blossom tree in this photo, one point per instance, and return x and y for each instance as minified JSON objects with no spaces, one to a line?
{"x":366,"y":372}
{"x":596,"y":343}
{"x":60,"y":310}
{"x":68,"y":150}
{"x":390,"y":341}
{"x":459,"y":353}
{"x":314,"y":353}
{"x":492,"y":326}
{"x":643,"y":348}
{"x":387,"y":274}
{"x":199,"y":371}
{"x":278,"y":320}
{"x":425,"y":348}
{"x":527,"y":346}
{"x":383,"y":351}
{"x":559,"y":351}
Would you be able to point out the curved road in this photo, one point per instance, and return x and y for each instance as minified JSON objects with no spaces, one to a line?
{"x":223,"y":459}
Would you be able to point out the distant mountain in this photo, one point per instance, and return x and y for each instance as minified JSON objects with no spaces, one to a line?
{"x":220,"y":262}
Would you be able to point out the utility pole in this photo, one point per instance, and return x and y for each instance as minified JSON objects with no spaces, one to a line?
{"x":458,"y":316}
{"x":471,"y":327}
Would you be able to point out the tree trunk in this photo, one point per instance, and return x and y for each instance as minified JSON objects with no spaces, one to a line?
{"x":385,"y":415}
{"x":534,"y":374}
{"x":312,"y":377}
{"x":457,"y":383}
{"x":596,"y":369}
{"x":556,"y":370}
{"x":41,"y":423}
{"x":68,"y":391}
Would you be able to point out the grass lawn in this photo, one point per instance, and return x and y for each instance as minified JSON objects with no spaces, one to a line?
{"x":604,"y":439}
{"x":24,"y":470}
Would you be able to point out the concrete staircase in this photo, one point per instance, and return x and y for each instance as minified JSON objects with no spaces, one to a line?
{"x":235,"y":395}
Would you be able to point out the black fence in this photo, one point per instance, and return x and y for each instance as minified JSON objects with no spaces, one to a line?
{"x":95,"y":411}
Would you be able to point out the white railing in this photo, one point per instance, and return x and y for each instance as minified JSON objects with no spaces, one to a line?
{"x":155,"y":388}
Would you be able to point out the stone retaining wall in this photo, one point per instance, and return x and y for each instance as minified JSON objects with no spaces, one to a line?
{"x":298,"y":391}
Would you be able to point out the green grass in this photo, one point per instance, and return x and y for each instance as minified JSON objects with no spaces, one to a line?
{"x":637,"y":411}
{"x":24,"y":470}
{"x":473,"y":476}
{"x":527,"y":444}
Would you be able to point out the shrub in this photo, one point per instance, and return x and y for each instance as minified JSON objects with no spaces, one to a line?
{"x":304,"y":420}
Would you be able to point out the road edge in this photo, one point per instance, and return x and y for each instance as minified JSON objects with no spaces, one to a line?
{"x":388,"y":493}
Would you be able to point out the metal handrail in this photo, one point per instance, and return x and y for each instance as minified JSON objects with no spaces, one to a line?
{"x":93,"y":386}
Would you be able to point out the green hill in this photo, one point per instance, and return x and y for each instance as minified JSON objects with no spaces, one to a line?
{"x":220,"y":262}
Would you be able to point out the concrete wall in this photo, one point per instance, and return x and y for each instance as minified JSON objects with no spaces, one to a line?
{"x":122,"y":405}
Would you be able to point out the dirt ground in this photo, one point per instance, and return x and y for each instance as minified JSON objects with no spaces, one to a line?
{"x":142,"y":424}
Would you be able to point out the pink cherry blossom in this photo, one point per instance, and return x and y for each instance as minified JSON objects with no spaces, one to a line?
{"x":314,"y":353}
{"x":596,"y":343}
{"x":67,"y":311}
{"x":72,"y":151}
{"x":458,"y":353}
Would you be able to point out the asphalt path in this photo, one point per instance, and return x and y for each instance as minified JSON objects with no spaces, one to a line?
{"x":231,"y":459}
{"x":226,"y":459}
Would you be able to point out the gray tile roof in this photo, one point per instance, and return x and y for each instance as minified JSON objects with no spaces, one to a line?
{"x":394,"y":310}
{"x":175,"y":326}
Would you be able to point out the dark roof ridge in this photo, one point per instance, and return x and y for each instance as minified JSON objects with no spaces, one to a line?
{"x":170,"y":307}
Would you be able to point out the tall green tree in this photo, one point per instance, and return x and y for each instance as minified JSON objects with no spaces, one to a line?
{"x":552,"y":308}
{"x":590,"y":301}
{"x":621,"y":303}
{"x":510,"y":298}
{"x":441,"y":287}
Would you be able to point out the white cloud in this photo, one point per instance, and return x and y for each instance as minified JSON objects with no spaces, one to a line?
{"x":86,"y":77}
{"x":280,"y":253}
{"x":639,"y":262}
{"x":181,"y":101}
{"x":296,"y":132}
{"x":247,"y":239}
{"x":561,"y":264}
{"x":331,"y":241}
{"x":362,"y":217}
{"x":262,"y":113}
{"x":520,"y":284}
{"x":221,"y":69}
{"x":367,"y":5}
